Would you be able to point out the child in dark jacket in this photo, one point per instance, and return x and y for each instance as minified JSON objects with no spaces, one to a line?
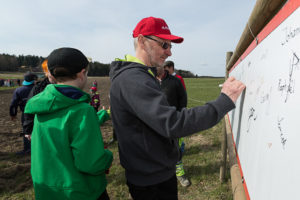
{"x":19,"y":99}
{"x":95,"y":102}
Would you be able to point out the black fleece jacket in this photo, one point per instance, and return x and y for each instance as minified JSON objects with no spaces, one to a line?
{"x":147,"y":126}
{"x":29,"y":118}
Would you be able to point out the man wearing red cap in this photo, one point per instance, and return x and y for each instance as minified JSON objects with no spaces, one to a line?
{"x":147,"y":127}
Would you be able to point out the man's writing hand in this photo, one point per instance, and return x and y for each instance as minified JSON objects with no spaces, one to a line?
{"x":233,"y":88}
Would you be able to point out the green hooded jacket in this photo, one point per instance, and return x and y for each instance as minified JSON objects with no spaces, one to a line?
{"x":68,"y":159}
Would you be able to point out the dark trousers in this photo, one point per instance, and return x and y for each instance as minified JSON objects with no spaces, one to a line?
{"x":166,"y":190}
{"x":27,"y":145}
{"x":114,"y":135}
{"x":104,"y":196}
{"x":26,"y":142}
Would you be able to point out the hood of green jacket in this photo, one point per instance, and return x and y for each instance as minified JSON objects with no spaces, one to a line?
{"x":52,"y":100}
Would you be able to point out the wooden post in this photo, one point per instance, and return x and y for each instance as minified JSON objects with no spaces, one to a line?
{"x":228,"y":57}
{"x":262,"y":13}
{"x":224,"y":141}
{"x":236,"y":179}
{"x":224,"y":154}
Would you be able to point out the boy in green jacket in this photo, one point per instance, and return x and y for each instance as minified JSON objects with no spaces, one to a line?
{"x":68,"y":159}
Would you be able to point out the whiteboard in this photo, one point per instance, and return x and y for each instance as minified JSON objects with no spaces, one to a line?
{"x":266,"y":121}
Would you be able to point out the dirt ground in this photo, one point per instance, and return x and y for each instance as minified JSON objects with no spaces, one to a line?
{"x":16,"y":169}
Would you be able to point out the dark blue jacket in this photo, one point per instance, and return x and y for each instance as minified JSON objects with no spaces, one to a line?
{"x":19,"y":99}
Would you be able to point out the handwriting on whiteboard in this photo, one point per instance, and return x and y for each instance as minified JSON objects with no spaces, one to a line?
{"x":290,"y":33}
{"x":252,"y":117}
{"x":283,"y":138}
{"x":287,"y":87}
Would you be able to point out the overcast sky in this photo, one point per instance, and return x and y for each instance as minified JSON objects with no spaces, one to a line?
{"x":102,"y":29}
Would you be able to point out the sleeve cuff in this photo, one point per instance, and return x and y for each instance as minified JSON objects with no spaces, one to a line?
{"x":223,"y":104}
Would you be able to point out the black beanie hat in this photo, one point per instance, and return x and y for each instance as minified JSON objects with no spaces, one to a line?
{"x":30,"y":77}
{"x":70,"y":59}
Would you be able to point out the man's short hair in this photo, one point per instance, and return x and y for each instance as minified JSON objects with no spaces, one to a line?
{"x":169,"y":63}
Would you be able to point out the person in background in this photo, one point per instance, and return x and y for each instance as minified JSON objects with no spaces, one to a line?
{"x":169,"y":65}
{"x":176,"y":96}
{"x":114,"y":138}
{"x":95,"y":84}
{"x":147,"y":127}
{"x":37,"y":88}
{"x":8,"y":83}
{"x":19,"y":99}
{"x":95,"y":102}
{"x":180,"y":173}
{"x":19,"y":82}
{"x":12,"y":83}
{"x":68,"y":159}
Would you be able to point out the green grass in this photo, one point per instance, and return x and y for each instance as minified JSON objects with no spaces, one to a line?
{"x":11,"y":75}
{"x":203,"y":150}
{"x":201,"y":90}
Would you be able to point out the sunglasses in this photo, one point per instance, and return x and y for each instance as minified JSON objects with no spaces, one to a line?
{"x":164,"y":45}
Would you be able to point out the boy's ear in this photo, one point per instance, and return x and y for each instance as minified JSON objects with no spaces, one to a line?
{"x":82,"y":73}
{"x":51,"y":78}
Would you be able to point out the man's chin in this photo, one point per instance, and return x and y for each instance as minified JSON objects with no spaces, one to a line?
{"x":157,"y":65}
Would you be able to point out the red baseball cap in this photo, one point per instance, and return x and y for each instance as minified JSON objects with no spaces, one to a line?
{"x":157,"y":27}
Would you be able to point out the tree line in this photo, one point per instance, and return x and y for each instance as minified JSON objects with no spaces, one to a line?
{"x":21,"y":63}
{"x":14,"y":63}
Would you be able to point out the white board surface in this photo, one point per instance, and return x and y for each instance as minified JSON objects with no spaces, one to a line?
{"x":266,"y":121}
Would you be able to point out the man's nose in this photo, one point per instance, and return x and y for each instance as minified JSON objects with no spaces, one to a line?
{"x":168,"y":51}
